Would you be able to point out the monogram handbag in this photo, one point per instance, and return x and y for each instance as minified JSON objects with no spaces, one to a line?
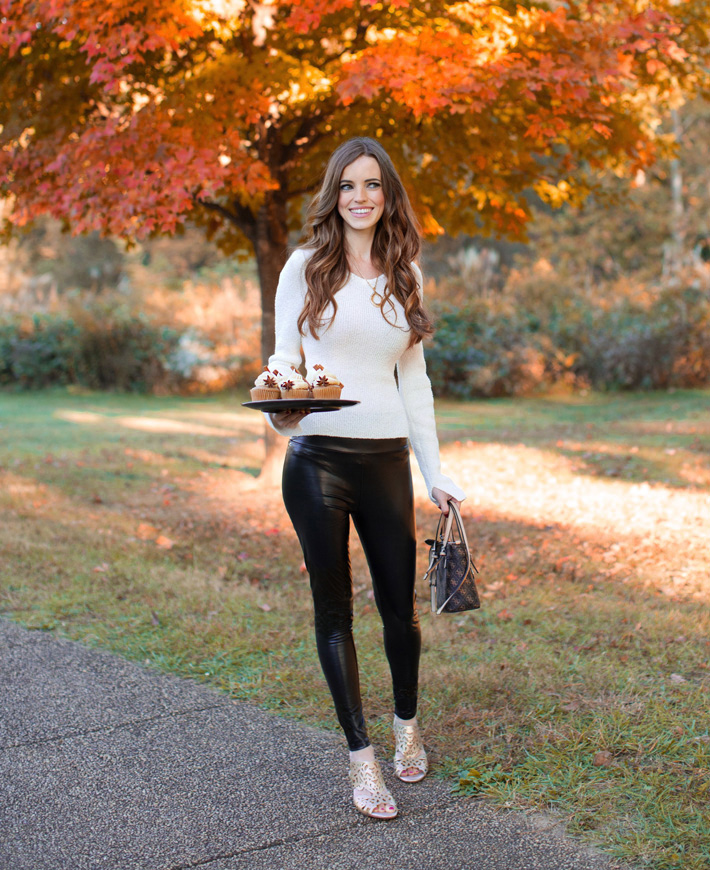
{"x":451,"y":571}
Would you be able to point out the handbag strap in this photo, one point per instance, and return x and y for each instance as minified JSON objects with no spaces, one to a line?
{"x":446,"y":534}
{"x":441,"y":536}
{"x":455,"y":514}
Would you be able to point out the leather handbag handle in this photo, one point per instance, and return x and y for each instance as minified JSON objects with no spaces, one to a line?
{"x":448,"y":526}
{"x":441,"y":537}
{"x":455,"y":514}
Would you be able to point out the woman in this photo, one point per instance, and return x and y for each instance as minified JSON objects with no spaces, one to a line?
{"x":350,"y":298}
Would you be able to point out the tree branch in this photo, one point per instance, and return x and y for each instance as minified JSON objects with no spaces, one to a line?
{"x":242,"y":216}
{"x":302,"y":191}
{"x":307,"y":130}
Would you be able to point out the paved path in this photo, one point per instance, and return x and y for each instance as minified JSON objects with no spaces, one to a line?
{"x":104,"y":764}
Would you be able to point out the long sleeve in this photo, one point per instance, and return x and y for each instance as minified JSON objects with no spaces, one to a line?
{"x":418,"y":399}
{"x":290,"y":296}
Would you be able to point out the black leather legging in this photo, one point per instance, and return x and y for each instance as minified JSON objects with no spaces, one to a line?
{"x":327,"y":480}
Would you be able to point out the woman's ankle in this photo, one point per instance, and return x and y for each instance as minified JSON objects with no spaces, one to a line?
{"x":367,"y":753}
{"x":412,"y":721}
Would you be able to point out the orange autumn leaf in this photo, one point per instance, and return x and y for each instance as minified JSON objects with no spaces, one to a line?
{"x":146,"y":532}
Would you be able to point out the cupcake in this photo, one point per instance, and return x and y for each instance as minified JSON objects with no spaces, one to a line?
{"x":266,"y":386}
{"x":324,"y":384}
{"x":294,"y":386}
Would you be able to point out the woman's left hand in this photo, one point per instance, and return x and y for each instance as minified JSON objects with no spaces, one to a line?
{"x":443,"y":498}
{"x":287,"y":419}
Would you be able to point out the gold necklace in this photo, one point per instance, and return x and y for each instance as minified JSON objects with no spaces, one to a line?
{"x":373,"y":288}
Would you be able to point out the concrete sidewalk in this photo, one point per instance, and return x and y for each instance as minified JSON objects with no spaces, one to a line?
{"x":104,"y":764}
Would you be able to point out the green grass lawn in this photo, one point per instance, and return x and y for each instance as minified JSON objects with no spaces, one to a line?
{"x":139,"y":525}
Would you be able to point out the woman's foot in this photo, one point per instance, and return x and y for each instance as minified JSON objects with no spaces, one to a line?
{"x":370,"y":794}
{"x":410,"y":761}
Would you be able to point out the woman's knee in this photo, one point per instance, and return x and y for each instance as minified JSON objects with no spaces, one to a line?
{"x":333,"y":624}
{"x":397,"y":606}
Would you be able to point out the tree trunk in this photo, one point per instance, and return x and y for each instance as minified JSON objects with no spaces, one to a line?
{"x":678,"y":206}
{"x":270,"y":248}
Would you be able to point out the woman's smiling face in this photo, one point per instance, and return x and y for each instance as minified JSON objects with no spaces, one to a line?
{"x":361,"y":200}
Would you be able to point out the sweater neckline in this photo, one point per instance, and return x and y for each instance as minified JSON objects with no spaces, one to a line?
{"x":360,"y":278}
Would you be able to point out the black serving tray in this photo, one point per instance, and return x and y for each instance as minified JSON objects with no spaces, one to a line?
{"x":275,"y":405}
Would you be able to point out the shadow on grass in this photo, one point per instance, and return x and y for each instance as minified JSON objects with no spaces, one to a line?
{"x":659,"y":438}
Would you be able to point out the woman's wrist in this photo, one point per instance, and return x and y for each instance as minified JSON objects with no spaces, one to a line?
{"x":443,"y":498}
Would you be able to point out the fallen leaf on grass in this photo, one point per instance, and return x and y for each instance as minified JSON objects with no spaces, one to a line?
{"x":146,"y":532}
{"x":677,"y":678}
{"x":265,"y":607}
{"x":101,"y":569}
{"x":505,"y":615}
{"x":164,"y":543}
{"x":602,"y":759}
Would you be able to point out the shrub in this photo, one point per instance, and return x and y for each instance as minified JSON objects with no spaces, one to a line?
{"x":128,"y":355}
{"x":42,"y":354}
{"x":105,"y":351}
{"x":514,"y":343}
{"x":487,"y":348}
{"x":633,"y":346}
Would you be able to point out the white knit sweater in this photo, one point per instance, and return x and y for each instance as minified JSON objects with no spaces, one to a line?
{"x":362,"y":349}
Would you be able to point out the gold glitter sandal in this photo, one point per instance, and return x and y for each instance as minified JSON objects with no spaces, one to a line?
{"x":409,"y":752}
{"x":370,"y":794}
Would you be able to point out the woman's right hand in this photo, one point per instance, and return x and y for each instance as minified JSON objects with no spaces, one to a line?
{"x":287,"y":419}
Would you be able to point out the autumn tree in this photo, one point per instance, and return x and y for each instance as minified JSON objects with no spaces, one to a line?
{"x":656,"y":230}
{"x":134,"y":116}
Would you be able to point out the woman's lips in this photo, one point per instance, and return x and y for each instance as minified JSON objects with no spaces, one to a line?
{"x":360,"y":212}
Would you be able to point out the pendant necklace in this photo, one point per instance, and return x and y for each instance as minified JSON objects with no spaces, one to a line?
{"x":373,"y":288}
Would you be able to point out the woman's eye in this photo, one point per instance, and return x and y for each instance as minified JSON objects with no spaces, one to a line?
{"x":345,"y":186}
{"x":374,"y":184}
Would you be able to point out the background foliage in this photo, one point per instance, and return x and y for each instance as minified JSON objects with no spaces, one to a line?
{"x":612,"y":295}
{"x":147,"y":115}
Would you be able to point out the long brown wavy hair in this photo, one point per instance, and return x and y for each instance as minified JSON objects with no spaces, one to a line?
{"x":395,"y":245}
